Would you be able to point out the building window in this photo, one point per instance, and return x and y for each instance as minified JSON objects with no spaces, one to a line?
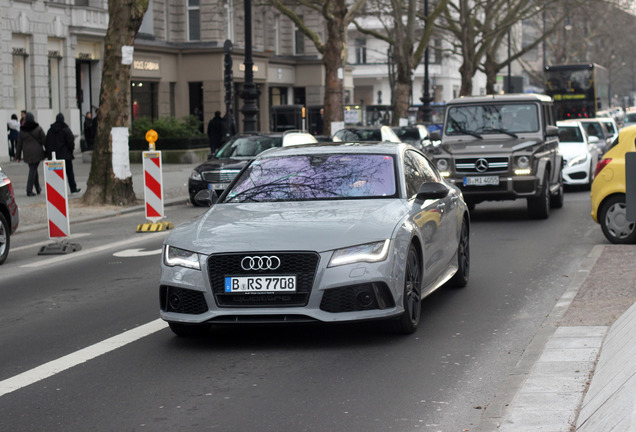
{"x":55,"y":101}
{"x":436,"y":52}
{"x":20,"y":81}
{"x":194,"y":20}
{"x":173,"y":93}
{"x":143,"y":95}
{"x":277,"y":96}
{"x":299,"y":40}
{"x":361,"y":51}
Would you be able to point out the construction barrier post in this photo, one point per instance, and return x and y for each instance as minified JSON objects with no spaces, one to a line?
{"x":57,"y":209}
{"x":153,"y":188}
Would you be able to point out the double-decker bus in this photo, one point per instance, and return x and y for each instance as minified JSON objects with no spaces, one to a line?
{"x":578,"y":90}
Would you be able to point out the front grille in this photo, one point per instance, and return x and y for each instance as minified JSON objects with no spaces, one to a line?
{"x":181,"y":300}
{"x":301,"y":264}
{"x":492,"y":165}
{"x":219,"y":176}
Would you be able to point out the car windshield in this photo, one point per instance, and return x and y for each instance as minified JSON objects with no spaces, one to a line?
{"x":316,"y":177}
{"x":630,"y":118}
{"x":248,"y":146}
{"x":360,"y":135}
{"x":492,"y":118}
{"x":570,"y":134}
{"x":411,"y":136}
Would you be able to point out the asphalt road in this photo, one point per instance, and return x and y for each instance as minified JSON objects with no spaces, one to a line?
{"x":270,"y":378}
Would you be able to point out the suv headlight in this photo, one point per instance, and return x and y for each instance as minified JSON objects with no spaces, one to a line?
{"x":580,"y":159}
{"x":522,"y":165}
{"x":173,"y":257}
{"x":370,"y":252}
{"x":196,"y":175}
{"x":443,"y":167}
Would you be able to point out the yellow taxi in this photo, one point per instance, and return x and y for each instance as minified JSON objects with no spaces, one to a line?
{"x":608,"y":191}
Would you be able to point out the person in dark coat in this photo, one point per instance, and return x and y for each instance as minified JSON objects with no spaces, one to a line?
{"x":60,"y":140}
{"x":30,"y":148}
{"x":89,"y":131}
{"x":216,"y":132}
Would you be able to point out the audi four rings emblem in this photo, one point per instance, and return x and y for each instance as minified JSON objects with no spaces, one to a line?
{"x":481,"y":165}
{"x":260,"y":263}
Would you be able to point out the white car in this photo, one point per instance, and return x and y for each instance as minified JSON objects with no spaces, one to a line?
{"x":580,"y":153}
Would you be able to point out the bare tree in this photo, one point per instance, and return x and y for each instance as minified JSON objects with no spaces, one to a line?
{"x":337,"y":15}
{"x":407,"y":31}
{"x":124,"y":20}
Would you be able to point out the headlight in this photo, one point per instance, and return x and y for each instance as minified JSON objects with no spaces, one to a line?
{"x":523,"y":162}
{"x":442,"y":165}
{"x":173,"y":257}
{"x":370,"y":252}
{"x":196,"y":175}
{"x":577,"y":160}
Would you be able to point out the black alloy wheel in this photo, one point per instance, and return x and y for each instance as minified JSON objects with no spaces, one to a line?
{"x":460,"y":279}
{"x":5,"y":238}
{"x":409,"y":320}
{"x":539,"y":207}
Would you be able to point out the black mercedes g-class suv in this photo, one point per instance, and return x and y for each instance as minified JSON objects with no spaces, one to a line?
{"x":501,"y":147}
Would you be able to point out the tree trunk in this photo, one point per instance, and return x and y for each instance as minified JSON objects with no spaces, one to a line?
{"x":335,"y":52}
{"x":491,"y":68}
{"x":103,"y":187}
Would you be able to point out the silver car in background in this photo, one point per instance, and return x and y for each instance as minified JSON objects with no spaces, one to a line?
{"x":318,"y":233}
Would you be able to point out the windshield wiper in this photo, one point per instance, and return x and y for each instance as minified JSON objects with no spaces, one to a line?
{"x":504,"y":131}
{"x":464,"y":131}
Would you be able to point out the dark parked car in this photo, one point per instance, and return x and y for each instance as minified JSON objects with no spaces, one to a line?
{"x":218,"y":172}
{"x":9,"y":215}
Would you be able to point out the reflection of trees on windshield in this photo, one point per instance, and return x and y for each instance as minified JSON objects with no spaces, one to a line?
{"x":298,"y":178}
{"x":492,"y":118}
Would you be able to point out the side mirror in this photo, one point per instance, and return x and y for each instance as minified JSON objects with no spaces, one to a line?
{"x":206,"y":198}
{"x":551,"y":131}
{"x":431,"y":190}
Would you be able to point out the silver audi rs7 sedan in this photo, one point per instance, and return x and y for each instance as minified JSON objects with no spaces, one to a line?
{"x":322,"y":233}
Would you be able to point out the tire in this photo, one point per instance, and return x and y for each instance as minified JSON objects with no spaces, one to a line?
{"x":460,"y":279}
{"x":409,"y":320}
{"x":556,"y":201}
{"x":613,"y":219}
{"x":194,"y":203}
{"x":189,"y":330}
{"x":539,"y":207}
{"x":5,"y":238}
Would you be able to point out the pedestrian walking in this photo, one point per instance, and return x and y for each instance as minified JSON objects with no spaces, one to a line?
{"x":60,"y":140}
{"x":89,"y":131}
{"x":216,"y":132}
{"x":31,"y":140}
{"x":13,"y":130}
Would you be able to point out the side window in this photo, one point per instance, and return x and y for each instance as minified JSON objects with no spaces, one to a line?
{"x":417,"y":170}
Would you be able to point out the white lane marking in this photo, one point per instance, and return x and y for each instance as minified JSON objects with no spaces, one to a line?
{"x":85,"y":252}
{"x":129,"y":253}
{"x":44,"y":243}
{"x":63,"y":363}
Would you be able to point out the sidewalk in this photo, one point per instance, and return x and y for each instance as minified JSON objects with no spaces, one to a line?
{"x":33,"y":209}
{"x":578,"y":372}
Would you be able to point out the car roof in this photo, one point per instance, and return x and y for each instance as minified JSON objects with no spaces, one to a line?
{"x":366,"y":147}
{"x":513,"y":97}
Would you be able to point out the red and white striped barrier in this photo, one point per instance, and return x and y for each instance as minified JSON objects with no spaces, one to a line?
{"x":56,"y":199}
{"x":153,"y":185}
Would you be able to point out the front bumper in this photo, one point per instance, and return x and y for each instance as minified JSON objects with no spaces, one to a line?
{"x":361,"y":291}
{"x":509,"y":188}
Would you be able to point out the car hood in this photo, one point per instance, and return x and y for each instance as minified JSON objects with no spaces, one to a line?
{"x":486,"y":146}
{"x":214,"y":164}
{"x":569,"y":150}
{"x":315,"y":225}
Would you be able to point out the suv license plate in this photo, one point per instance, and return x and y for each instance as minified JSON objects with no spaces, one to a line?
{"x":217,"y":186}
{"x":481,"y":181}
{"x":260,"y":284}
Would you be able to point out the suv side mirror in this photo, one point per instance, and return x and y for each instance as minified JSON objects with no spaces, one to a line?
{"x":551,"y":131}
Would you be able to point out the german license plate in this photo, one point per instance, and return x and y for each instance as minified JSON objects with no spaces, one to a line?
{"x":481,"y":181}
{"x":217,"y":186}
{"x":260,"y":284}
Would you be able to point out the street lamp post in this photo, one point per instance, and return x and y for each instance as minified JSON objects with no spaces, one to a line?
{"x":426,"y":95}
{"x":250,"y":93}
